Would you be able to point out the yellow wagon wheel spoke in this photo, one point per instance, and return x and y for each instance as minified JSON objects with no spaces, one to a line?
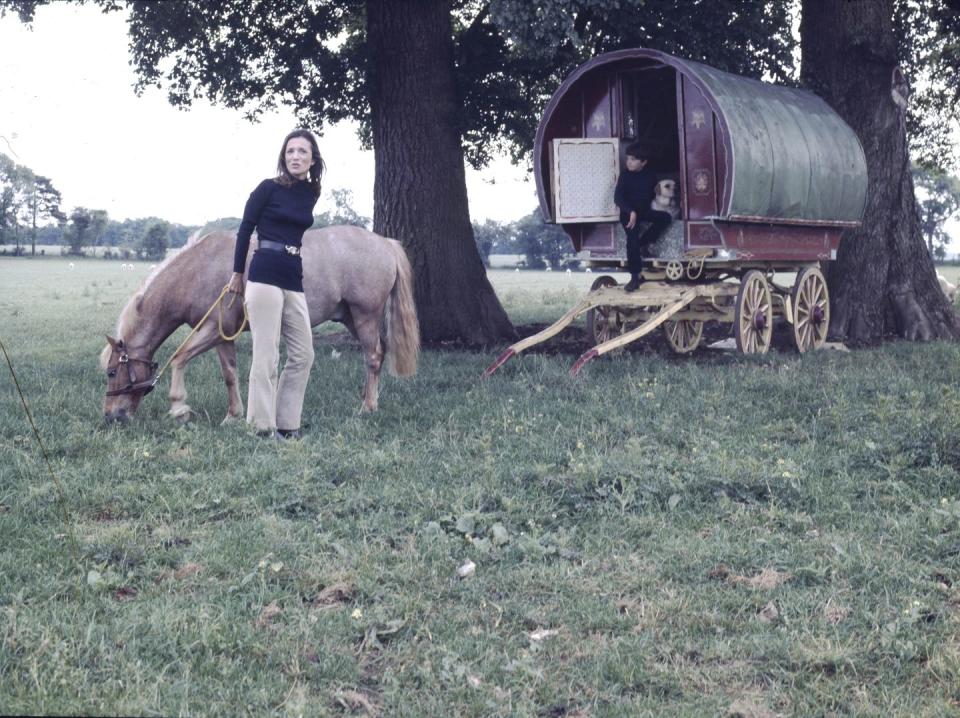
{"x":604,"y":322}
{"x":811,"y":303}
{"x":753,"y":318}
{"x":683,"y":335}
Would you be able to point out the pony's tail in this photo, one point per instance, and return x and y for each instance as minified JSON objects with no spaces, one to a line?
{"x":403,"y":328}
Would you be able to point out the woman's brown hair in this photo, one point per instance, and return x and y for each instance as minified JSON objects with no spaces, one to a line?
{"x":316,"y":169}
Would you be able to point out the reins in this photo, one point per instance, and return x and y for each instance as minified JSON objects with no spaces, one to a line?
{"x":196,"y":328}
{"x":147,"y":385}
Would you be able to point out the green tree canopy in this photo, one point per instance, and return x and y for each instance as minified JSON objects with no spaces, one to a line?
{"x":42,"y":204}
{"x":155,"y":241}
{"x":928,"y":47}
{"x":10,"y":198}
{"x":26,"y":199}
{"x":545,"y":245}
{"x":85,"y":228}
{"x":99,"y":221}
{"x":508,"y":57}
{"x":78,"y":231}
{"x":939,"y":201}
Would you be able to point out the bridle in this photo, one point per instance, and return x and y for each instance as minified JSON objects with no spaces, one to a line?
{"x":152,"y":375}
{"x":135,"y":383}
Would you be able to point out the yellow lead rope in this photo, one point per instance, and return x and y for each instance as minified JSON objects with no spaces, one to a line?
{"x":199,"y":324}
{"x":243,"y":324}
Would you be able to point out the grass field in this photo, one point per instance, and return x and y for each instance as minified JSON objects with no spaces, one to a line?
{"x":707,"y":535}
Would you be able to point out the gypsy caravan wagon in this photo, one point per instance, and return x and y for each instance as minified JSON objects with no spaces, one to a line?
{"x":768,"y":179}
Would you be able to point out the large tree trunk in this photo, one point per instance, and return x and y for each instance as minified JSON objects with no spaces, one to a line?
{"x":420,"y":191}
{"x":884,"y":281}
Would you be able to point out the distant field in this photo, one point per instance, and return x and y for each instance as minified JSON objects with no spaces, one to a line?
{"x":950,"y":271}
{"x":711,"y":535}
{"x":56,"y":250}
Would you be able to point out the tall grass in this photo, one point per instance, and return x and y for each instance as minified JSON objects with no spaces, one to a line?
{"x":707,"y":535}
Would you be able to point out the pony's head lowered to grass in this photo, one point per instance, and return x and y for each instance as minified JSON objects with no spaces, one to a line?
{"x":129,"y":379}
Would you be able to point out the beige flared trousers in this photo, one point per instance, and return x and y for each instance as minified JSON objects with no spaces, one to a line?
{"x":275,"y":312}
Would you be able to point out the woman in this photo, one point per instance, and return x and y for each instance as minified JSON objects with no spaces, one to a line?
{"x":281,"y":210}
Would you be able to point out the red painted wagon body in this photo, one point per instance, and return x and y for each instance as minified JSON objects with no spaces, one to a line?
{"x":765,"y":172}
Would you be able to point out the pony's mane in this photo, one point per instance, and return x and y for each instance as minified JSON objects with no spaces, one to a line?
{"x":130,"y":313}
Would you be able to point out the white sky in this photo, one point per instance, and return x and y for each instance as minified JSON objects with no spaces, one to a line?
{"x":68,"y":111}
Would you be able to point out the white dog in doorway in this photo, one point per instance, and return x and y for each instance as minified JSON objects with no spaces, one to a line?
{"x":665,"y":199}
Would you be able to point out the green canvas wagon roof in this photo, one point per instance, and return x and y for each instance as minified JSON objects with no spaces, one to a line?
{"x":789,"y":156}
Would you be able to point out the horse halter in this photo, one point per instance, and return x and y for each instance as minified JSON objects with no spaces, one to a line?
{"x":135,"y":384}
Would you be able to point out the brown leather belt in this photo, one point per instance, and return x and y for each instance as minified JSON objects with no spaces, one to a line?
{"x":279,"y":247}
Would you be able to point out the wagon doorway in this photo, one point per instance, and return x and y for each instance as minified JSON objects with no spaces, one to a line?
{"x":648,"y":100}
{"x":649,"y":107}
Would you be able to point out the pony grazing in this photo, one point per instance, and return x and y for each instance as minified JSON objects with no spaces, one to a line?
{"x":351,"y":276}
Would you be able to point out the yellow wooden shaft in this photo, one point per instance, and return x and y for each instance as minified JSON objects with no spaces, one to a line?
{"x":666,"y":299}
{"x":648,"y":326}
{"x":557,"y":327}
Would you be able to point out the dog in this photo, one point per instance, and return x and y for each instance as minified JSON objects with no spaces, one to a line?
{"x":665,"y":199}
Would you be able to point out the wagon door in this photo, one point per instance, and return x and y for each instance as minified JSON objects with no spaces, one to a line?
{"x":702,"y":159}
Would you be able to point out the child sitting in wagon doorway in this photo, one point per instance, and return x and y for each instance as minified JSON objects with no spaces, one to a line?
{"x":633,"y":195}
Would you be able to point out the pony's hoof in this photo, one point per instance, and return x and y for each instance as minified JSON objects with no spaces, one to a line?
{"x":182,"y":415}
{"x":229,"y":419}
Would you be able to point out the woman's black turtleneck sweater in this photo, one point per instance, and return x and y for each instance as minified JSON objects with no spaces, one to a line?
{"x":280,"y":214}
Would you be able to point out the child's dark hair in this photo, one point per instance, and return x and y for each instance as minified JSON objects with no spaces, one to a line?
{"x":638,"y":150}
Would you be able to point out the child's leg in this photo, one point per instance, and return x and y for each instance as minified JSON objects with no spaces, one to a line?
{"x":659,"y":221}
{"x":634,"y":246}
{"x":634,"y":258}
{"x":634,"y":252}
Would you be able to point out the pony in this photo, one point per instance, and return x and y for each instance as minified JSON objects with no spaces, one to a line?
{"x":351,"y":275}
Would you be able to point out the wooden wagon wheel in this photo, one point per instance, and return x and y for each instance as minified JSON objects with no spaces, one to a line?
{"x":811,"y":310}
{"x":604,"y":322}
{"x":753,"y":318}
{"x":683,"y":335}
